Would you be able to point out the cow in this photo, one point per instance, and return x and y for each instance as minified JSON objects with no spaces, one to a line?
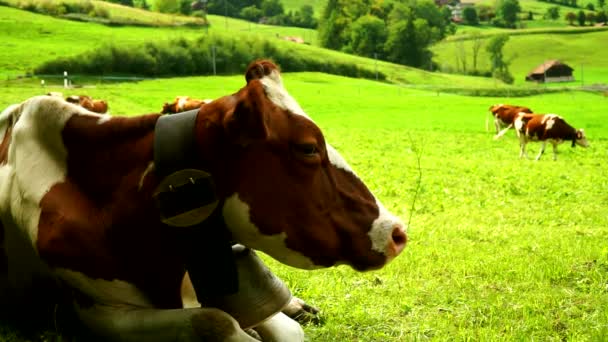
{"x":543,"y":128}
{"x":504,"y":115}
{"x":182,"y":104}
{"x":97,"y":106}
{"x":105,"y":207}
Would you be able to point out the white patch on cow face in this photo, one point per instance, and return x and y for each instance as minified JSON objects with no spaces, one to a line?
{"x":273,"y":86}
{"x":36,"y":158}
{"x":181,"y":102}
{"x":381,"y":233}
{"x":582,"y":141}
{"x":236,"y":216}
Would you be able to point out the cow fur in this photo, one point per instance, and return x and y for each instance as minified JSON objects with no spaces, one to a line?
{"x":546,"y":127}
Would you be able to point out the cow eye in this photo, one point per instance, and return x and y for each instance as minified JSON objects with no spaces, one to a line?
{"x":307,"y":150}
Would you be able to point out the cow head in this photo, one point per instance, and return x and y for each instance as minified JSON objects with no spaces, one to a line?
{"x":580,"y":139}
{"x":285,"y":190}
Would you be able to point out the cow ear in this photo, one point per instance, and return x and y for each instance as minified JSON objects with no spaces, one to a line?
{"x":248,"y":121}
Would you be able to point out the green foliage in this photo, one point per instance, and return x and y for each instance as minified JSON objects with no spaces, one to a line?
{"x":411,"y":28}
{"x":185,"y":57}
{"x":271,"y":8}
{"x":500,"y":68}
{"x":367,"y":36}
{"x":332,"y":25}
{"x":506,"y":13}
{"x":552,"y":13}
{"x":571,"y":17}
{"x":469,"y":14}
{"x":581,"y":18}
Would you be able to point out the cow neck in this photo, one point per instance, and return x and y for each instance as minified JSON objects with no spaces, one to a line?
{"x":207,"y":244}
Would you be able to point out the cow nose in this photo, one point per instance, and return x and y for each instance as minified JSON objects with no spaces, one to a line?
{"x":398,"y":239}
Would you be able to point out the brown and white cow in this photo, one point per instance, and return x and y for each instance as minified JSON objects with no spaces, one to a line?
{"x":79,"y":206}
{"x":504,"y":115}
{"x":97,"y":106}
{"x":182,"y":104}
{"x":546,"y":127}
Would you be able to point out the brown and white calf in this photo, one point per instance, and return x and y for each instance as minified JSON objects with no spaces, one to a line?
{"x":504,"y":115}
{"x":182,"y":104}
{"x":546,"y":127}
{"x":80,"y":206}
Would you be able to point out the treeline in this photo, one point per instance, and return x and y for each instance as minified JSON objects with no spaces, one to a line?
{"x":399,"y":31}
{"x":196,"y":57}
{"x":269,"y":12}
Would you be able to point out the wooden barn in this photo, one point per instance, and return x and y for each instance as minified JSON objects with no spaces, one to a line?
{"x":551,"y":71}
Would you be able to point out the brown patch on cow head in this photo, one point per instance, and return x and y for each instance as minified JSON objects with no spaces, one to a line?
{"x":287,"y":192}
{"x":260,"y":68}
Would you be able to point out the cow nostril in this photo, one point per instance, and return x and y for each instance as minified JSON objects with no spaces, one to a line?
{"x":399,"y":238}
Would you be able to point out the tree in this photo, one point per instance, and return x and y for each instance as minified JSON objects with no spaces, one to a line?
{"x":601,"y":17}
{"x":305,"y":17}
{"x":167,"y":6}
{"x":552,"y":13}
{"x":500,"y":68}
{"x":271,"y":8}
{"x":507,"y":11}
{"x":590,"y":18}
{"x":367,"y":36}
{"x":477,"y":43}
{"x":332,"y":25}
{"x":485,"y":12}
{"x":571,"y":17}
{"x":581,"y":18}
{"x":251,"y":13}
{"x":408,"y":38}
{"x":601,"y":3}
{"x":469,"y":15}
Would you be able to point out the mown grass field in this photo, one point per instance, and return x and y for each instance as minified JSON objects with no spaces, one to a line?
{"x":500,"y":248}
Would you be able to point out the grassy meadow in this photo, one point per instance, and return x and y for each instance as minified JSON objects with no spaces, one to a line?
{"x":500,"y":248}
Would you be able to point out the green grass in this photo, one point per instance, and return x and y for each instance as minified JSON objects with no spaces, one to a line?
{"x":500,"y":248}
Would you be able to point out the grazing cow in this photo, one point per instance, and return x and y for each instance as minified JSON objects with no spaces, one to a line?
{"x":182,"y":104}
{"x":97,"y":106}
{"x":504,"y":115}
{"x":105,"y":205}
{"x":543,"y":128}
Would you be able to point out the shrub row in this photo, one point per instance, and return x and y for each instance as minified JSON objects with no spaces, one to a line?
{"x":186,"y":57}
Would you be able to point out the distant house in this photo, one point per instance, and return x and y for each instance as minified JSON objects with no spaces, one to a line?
{"x":551,"y":71}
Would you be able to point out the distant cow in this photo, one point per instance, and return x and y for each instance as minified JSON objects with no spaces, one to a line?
{"x":97,"y":106}
{"x":116,"y":209}
{"x":504,"y":115}
{"x":182,"y":104}
{"x":546,"y":127}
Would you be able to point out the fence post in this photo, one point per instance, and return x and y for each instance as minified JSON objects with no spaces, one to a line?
{"x":65,"y":79}
{"x":213,"y":58}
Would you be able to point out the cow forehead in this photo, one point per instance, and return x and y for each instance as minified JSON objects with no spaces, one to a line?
{"x":276,"y":92}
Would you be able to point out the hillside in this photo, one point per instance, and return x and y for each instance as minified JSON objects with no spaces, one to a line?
{"x":34,"y":38}
{"x":529,"y":48}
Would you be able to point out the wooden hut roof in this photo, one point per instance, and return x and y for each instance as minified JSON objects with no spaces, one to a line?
{"x":548,"y":65}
